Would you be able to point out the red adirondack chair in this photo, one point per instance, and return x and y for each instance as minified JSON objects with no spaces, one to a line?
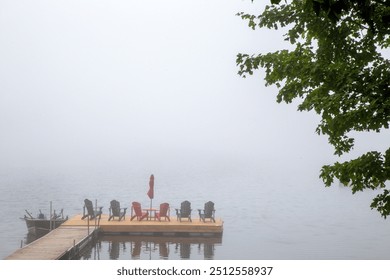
{"x":136,"y":212}
{"x":164,"y":212}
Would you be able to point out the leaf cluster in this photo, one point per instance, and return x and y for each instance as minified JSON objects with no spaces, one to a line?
{"x":337,"y":70}
{"x":374,"y":13}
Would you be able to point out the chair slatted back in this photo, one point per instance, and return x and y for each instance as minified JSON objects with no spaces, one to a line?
{"x":115,"y":207}
{"x":89,"y":206}
{"x":185,"y":209}
{"x":209,"y":209}
{"x":137,"y":209}
{"x":164,"y":207}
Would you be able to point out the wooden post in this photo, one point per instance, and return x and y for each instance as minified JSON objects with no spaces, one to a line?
{"x":51,"y":215}
{"x":95,"y":211}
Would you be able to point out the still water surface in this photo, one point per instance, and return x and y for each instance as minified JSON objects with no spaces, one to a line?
{"x":271,"y":209}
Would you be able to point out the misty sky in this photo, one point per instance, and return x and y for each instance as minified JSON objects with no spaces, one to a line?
{"x":109,"y":79}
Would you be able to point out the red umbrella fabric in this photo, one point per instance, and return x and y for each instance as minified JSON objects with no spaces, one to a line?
{"x":151,"y":187}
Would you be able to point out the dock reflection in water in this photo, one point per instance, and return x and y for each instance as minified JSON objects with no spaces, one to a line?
{"x":151,"y":248}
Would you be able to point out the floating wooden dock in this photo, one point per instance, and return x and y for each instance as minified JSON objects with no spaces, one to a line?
{"x":151,"y":227}
{"x":67,"y":240}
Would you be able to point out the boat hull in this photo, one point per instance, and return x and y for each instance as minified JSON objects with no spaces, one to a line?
{"x":42,"y":226}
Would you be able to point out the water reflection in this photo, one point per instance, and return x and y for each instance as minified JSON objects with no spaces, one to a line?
{"x":151,"y":248}
{"x":92,"y":251}
{"x":31,"y":237}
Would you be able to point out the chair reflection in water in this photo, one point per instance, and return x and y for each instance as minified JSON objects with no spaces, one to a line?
{"x":163,"y":249}
{"x":208,"y":212}
{"x":136,"y":249}
{"x":116,"y":210}
{"x":136,"y":212}
{"x":208,"y":251}
{"x":114,"y":249}
{"x":148,"y":246}
{"x":143,"y":248}
{"x":184,"y":249}
{"x":185,"y":211}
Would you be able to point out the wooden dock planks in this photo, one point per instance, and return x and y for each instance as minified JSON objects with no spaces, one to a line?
{"x":53,"y":245}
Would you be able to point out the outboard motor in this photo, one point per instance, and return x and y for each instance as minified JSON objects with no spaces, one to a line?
{"x":40,"y":215}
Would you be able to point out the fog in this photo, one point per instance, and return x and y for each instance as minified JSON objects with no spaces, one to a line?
{"x":83,"y":82}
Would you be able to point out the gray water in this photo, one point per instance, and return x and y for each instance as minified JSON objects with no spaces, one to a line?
{"x":272,"y":208}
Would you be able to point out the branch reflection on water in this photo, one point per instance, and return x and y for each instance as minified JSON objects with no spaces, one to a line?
{"x":152,"y":247}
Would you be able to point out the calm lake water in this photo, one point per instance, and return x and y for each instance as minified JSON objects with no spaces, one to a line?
{"x":272,"y":209}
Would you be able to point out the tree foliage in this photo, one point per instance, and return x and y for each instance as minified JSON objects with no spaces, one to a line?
{"x":336,"y":68}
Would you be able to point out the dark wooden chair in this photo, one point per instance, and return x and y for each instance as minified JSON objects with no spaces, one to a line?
{"x":208,"y":212}
{"x":89,"y":211}
{"x":136,"y":212}
{"x":164,"y":212}
{"x":184,"y":211}
{"x":116,"y":210}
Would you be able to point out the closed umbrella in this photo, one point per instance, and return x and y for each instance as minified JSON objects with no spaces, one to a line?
{"x":151,"y":189}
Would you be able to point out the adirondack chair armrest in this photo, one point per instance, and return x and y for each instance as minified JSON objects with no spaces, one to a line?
{"x":99,"y":211}
{"x":178,"y":213}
